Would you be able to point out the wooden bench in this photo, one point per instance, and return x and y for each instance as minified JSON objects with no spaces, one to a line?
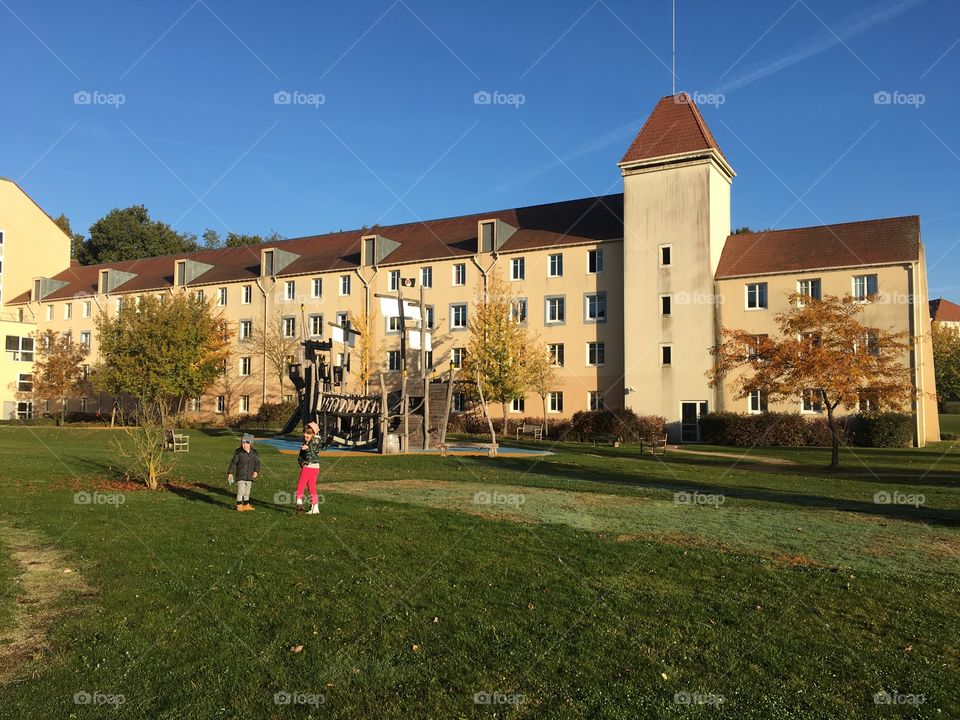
{"x":177,"y":442}
{"x":612,"y":440}
{"x":654,"y":442}
{"x":534,"y":431}
{"x":444,"y":448}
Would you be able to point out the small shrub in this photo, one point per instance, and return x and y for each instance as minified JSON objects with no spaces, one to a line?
{"x":771,"y":429}
{"x":889,"y":429}
{"x":621,"y":423}
{"x":272,"y":414}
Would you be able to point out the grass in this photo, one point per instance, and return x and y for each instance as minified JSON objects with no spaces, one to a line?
{"x":950,"y":423}
{"x":586,"y":588}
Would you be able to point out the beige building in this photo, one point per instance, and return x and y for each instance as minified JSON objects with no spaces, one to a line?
{"x":31,"y":245}
{"x":628,"y":290}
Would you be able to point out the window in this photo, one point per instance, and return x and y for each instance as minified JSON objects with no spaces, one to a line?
{"x":460,"y":274}
{"x":317,"y":288}
{"x":555,"y":310}
{"x":516,"y":405}
{"x":199,"y":295}
{"x":393,"y":280}
{"x":316,"y":325}
{"x":83,"y":404}
{"x":245,"y":329}
{"x":756,"y":296}
{"x":246,"y":297}
{"x":666,"y":305}
{"x":342,"y":318}
{"x":458,"y":317}
{"x":595,"y":400}
{"x":596,"y":353}
{"x":222,"y":297}
{"x":393,"y":324}
{"x":757,"y":402}
{"x":864,"y":287}
{"x":49,"y":312}
{"x":344,"y":284}
{"x":427,"y":359}
{"x":68,"y":311}
{"x":244,"y":366}
{"x":753,"y":350}
{"x":268,"y":262}
{"x":517,"y":268}
{"x":594,"y":261}
{"x":665,"y":255}
{"x":666,"y":355}
{"x":430,"y":317}
{"x":195,"y":404}
{"x":868,"y":401}
{"x":244,"y":403}
{"x":25,"y":382}
{"x":456,"y":357}
{"x":555,"y":265}
{"x":85,"y":339}
{"x":555,"y":402}
{"x":393,"y":360}
{"x":221,"y":404}
{"x":459,"y":402}
{"x":181,"y":276}
{"x":24,"y":410}
{"x":595,"y":308}
{"x":812,"y":400}
{"x":870,"y":343}
{"x":426,"y":277}
{"x":289,"y":327}
{"x":290,"y":290}
{"x":85,"y":372}
{"x":21,"y":348}
{"x":809,"y":288}
{"x":518,"y":310}
{"x":85,"y":308}
{"x":556,"y":352}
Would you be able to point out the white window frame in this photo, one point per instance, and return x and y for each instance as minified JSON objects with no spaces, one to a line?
{"x":595,"y":400}
{"x":315,"y":322}
{"x":86,"y":308}
{"x":762,"y":292}
{"x":426,"y":276}
{"x":221,"y":404}
{"x":393,"y":280}
{"x":669,"y":248}
{"x":289,"y":290}
{"x":757,"y":402}
{"x":245,"y":366}
{"x":85,"y":338}
{"x":454,"y":310}
{"x":562,"y":319}
{"x":555,"y":402}
{"x":49,"y":313}
{"x":664,"y":346}
{"x":600,"y":295}
{"x":812,"y":407}
{"x":666,"y":309}
{"x":246,"y":296}
{"x":316,"y":288}
{"x":244,"y":329}
{"x":555,"y":265}
{"x":244,"y":404}
{"x":289,"y":321}
{"x":517,"y":405}
{"x":344,"y":285}
{"x":805,"y":288}
{"x":68,"y":311}
{"x":557,"y":354}
{"x":459,"y":276}
{"x":599,"y":351}
{"x":518,"y":269}
{"x":865,"y":278}
{"x":457,"y":355}
{"x":221,"y":297}
{"x":394,"y":363}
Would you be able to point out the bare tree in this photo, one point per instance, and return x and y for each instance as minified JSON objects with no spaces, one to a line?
{"x":276,"y":346}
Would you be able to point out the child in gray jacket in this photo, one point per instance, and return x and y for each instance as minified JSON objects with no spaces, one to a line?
{"x":245,"y":465}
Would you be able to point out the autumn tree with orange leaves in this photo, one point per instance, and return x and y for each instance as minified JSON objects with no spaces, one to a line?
{"x":823,"y":349}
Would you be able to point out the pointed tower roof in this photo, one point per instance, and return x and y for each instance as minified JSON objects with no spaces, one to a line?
{"x":675,"y":127}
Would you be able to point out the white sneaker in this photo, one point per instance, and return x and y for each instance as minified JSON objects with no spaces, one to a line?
{"x":314,"y":510}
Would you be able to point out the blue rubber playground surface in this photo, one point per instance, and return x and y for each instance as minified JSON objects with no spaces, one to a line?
{"x":293,"y":447}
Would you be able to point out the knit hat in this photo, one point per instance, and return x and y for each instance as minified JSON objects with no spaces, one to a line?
{"x":247,"y":437}
{"x":314,"y":427}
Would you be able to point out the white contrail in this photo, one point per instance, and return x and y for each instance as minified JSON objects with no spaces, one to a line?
{"x":847,"y":28}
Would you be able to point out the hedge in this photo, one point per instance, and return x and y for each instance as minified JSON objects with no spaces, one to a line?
{"x":773,"y":429}
{"x":622,"y":423}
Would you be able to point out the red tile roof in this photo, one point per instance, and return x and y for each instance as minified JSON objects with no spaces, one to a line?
{"x":869,"y":242}
{"x":551,"y":225}
{"x":944,"y":311}
{"x":675,"y":126}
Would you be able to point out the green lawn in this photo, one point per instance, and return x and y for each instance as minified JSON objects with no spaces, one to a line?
{"x":574,"y":585}
{"x":950,"y":423}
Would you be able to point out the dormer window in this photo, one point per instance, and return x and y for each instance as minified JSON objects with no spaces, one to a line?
{"x":268,"y":262}
{"x":104,"y":281}
{"x":181,"y":273}
{"x":274,"y":261}
{"x":36,"y":289}
{"x":374,"y":248}
{"x":493,"y":234}
{"x":488,"y":232}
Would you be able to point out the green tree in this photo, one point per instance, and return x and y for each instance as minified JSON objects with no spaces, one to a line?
{"x":78,"y":243}
{"x":946,"y":361}
{"x":212,"y":239}
{"x":499,"y":348}
{"x":129,"y":234}
{"x":542,"y":374}
{"x":823,"y":349}
{"x":159,"y":352}
{"x":57,"y":367}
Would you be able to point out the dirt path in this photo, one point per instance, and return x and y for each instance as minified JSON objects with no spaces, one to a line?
{"x":747,"y":459}
{"x":42,"y":578}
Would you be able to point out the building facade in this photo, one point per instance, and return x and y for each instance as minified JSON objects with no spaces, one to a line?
{"x":627,"y":290}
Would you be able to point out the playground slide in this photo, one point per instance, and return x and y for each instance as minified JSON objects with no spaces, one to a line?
{"x":292,"y":423}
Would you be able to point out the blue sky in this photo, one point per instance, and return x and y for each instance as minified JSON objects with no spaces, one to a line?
{"x":200,"y":141}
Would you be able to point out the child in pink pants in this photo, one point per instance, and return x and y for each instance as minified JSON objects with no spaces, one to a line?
{"x":309,"y":460}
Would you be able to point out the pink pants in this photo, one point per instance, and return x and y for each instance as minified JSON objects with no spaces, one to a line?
{"x":308,"y":477}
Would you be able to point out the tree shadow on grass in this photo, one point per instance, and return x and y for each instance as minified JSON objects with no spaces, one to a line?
{"x":569,"y":471}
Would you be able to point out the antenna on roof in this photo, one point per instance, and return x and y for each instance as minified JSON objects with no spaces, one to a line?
{"x":674,"y":47}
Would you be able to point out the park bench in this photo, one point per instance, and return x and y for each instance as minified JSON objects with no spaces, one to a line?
{"x":177,"y":442}
{"x":606,"y":439}
{"x":653,"y":442}
{"x":491,"y":448}
{"x":534,"y":431}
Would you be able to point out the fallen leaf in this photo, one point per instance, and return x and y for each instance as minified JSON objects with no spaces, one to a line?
{"x":663,"y":675}
{"x":296,"y":648}
{"x":67,"y":571}
{"x":436,"y":620}
{"x":416,"y":648}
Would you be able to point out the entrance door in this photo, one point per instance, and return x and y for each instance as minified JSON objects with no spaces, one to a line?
{"x":690,"y":414}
